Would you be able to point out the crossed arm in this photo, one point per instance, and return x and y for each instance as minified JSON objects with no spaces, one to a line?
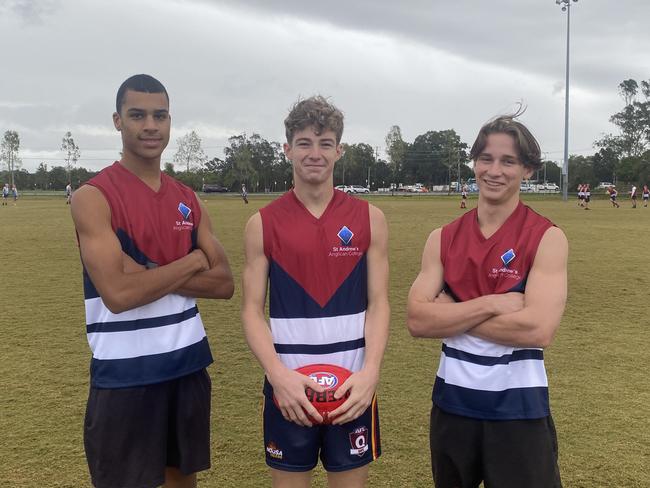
{"x":514,"y":319}
{"x":122,"y":283}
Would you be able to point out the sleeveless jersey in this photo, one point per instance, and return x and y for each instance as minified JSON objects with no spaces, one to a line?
{"x":317,"y":280}
{"x":164,"y":339}
{"x":478,"y":378}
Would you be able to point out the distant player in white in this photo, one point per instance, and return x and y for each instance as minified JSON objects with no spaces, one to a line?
{"x":633,"y":196}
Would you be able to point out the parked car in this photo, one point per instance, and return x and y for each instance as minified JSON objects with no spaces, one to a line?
{"x":214,"y":189}
{"x":551,"y":187}
{"x":359,"y":189}
{"x":603,"y":185}
{"x":344,"y":188}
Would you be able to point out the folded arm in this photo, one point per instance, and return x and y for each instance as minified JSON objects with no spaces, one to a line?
{"x":430,"y":314}
{"x":216,"y":282}
{"x":544,"y":301}
{"x":103,"y":258}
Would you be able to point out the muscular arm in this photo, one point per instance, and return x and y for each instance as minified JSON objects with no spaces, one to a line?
{"x":363,"y":384}
{"x":288,"y":385}
{"x":102,"y":256}
{"x":216,"y":282}
{"x":430,"y":316}
{"x":544,"y":301}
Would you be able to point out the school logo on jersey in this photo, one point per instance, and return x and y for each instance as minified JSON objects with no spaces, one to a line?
{"x":359,"y":441}
{"x":346,"y":248}
{"x":345,"y":235}
{"x":184,"y":210}
{"x":505,"y":271}
{"x":507,"y":257}
{"x":184,"y":224}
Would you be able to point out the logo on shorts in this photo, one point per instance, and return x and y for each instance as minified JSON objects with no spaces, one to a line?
{"x":273,"y":450}
{"x":507,"y":257}
{"x":346,"y":236}
{"x":359,"y":441}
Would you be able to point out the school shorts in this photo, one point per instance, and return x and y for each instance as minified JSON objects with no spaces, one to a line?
{"x":501,"y":453}
{"x":292,"y":447}
{"x":132,"y":434}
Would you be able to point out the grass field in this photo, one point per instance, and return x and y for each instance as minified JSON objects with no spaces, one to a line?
{"x":597,"y":366}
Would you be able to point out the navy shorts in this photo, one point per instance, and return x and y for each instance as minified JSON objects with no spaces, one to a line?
{"x":132,"y":434}
{"x":292,"y":447}
{"x":501,"y":453}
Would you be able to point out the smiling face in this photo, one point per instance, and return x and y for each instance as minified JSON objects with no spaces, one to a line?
{"x":499,"y":170}
{"x":313,"y":156}
{"x":145,"y":123}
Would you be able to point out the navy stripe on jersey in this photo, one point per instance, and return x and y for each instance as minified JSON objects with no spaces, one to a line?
{"x":150,"y":369}
{"x":89,"y":289}
{"x":511,"y":404}
{"x":319,"y":348}
{"x":519,"y":355}
{"x":289,"y":300}
{"x":124,"y":325}
{"x":129,"y":248}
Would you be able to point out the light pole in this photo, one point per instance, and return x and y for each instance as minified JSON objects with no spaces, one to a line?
{"x":566,"y":7}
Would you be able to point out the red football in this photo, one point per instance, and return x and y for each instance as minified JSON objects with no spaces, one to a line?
{"x":331,"y":377}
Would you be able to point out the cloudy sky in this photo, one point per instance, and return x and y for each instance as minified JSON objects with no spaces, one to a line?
{"x":233,"y":66}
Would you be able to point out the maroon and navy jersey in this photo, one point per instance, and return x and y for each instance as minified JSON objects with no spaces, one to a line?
{"x":164,"y":339}
{"x":478,"y":378}
{"x":317,"y":280}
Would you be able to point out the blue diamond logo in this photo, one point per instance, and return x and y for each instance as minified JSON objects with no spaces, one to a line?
{"x":508,"y":256}
{"x":184,"y":210}
{"x":345,"y":235}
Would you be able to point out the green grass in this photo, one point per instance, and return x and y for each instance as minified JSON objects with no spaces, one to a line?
{"x":598,"y":365}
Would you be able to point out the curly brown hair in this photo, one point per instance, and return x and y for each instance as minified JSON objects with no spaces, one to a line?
{"x":316,"y":112}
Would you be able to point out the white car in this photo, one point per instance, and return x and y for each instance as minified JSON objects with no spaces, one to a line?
{"x":359,"y":189}
{"x":552,"y":187}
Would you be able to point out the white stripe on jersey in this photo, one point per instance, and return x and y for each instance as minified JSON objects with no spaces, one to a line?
{"x":515,"y":374}
{"x":145,"y":342}
{"x":323,"y":330}
{"x":96,"y":311}
{"x":526,"y":373}
{"x":352,"y":360}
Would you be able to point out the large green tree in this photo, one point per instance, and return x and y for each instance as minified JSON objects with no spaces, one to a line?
{"x":9,"y":148}
{"x":71,"y":153}
{"x":190,"y":153}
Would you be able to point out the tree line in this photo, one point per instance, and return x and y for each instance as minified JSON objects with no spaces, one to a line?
{"x":433,"y":158}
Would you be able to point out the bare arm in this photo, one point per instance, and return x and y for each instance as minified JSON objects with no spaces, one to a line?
{"x":102,"y":256}
{"x":545,"y":298}
{"x":216,"y":282}
{"x":363,"y":384}
{"x":288,"y":385}
{"x":429,"y":316}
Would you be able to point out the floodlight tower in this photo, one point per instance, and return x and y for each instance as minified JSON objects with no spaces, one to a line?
{"x":566,"y":7}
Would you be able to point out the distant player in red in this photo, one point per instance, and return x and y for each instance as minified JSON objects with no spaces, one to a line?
{"x":322,"y":257}
{"x":463,"y":197}
{"x":612,"y":196}
{"x":493,"y":286}
{"x":587,"y":195}
{"x":646,"y":195}
{"x":581,"y":195}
